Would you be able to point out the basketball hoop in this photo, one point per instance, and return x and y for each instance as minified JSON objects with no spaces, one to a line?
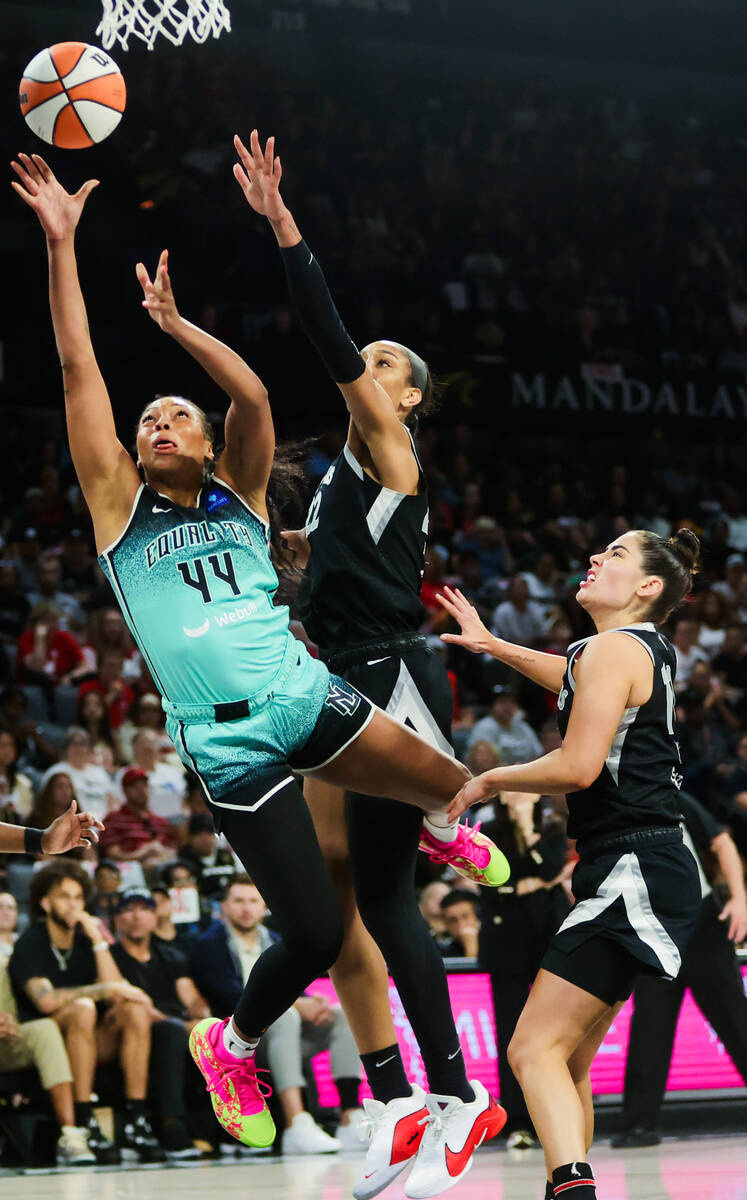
{"x":173,"y":19}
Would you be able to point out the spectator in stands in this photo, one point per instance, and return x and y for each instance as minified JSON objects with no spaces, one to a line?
{"x":146,"y":713}
{"x":711,"y":610}
{"x":91,"y":714}
{"x":93,"y":788}
{"x":109,"y":632}
{"x":459,"y":908}
{"x":686,"y":649}
{"x":134,"y":832}
{"x":167,"y":782}
{"x":733,"y":587}
{"x":707,"y":687}
{"x":48,"y":593}
{"x":730,"y":665}
{"x":519,"y":619}
{"x":149,"y":964}
{"x":220,"y":964}
{"x":117,"y":695}
{"x":107,"y":882}
{"x":517,"y":922}
{"x":542,"y":581}
{"x":28,"y":545}
{"x":78,"y":566}
{"x":47,"y":655}
{"x":8,"y":923}
{"x":711,"y":971}
{"x":180,"y":937}
{"x":705,"y":745}
{"x":35,"y":751}
{"x":513,"y":737}
{"x":16,"y":796}
{"x":38,"y":1043}
{"x":212,"y":865}
{"x":14,"y":607}
{"x":62,"y":967}
{"x":429,"y":903}
{"x":734,"y":803}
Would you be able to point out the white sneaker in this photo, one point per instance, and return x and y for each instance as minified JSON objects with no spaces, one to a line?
{"x":521,"y":1139}
{"x":395,"y":1131}
{"x":73,"y":1149}
{"x":305,"y":1137}
{"x":354,"y":1135}
{"x":453,"y":1132}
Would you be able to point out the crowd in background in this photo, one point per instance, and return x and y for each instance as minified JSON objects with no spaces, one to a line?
{"x":534,"y":226}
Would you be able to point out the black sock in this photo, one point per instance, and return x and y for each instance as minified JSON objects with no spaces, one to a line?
{"x":549,"y":1191}
{"x":135,"y":1109}
{"x":385,"y":1073}
{"x":348,"y":1089}
{"x":447,"y":1076}
{"x":82,"y":1112}
{"x":574,"y":1181}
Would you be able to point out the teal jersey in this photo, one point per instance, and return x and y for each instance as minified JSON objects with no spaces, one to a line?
{"x":196,"y":586}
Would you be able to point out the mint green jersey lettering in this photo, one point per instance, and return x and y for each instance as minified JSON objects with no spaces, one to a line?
{"x":196,"y":587}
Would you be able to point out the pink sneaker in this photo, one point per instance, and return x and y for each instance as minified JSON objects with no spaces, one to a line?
{"x":235,"y":1092}
{"x":471,"y":854}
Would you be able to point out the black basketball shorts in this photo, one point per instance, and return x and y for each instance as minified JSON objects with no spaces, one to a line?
{"x":635,"y":911}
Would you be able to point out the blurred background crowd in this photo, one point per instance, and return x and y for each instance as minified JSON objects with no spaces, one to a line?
{"x":542,"y":218}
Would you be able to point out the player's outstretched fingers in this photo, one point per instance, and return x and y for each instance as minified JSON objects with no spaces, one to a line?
{"x":32,"y":188}
{"x":43,"y":168}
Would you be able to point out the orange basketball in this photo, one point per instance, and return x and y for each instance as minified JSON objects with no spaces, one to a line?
{"x":72,"y":95}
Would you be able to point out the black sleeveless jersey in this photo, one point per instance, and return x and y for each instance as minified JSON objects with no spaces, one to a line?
{"x":367,"y":553}
{"x":638,"y":786}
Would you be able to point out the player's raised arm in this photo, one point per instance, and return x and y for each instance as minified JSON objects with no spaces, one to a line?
{"x":545,"y":669}
{"x":247,"y":459}
{"x":105,"y":470}
{"x":259,"y":174}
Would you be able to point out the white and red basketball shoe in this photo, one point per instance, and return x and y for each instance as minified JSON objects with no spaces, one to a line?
{"x":395,"y":1131}
{"x":453,"y":1132}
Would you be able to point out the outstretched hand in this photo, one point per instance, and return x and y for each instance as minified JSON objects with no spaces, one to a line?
{"x":58,"y":211}
{"x":71,"y":829}
{"x":258,"y":175}
{"x":475,"y":791}
{"x":158,"y":294}
{"x":473,"y":636}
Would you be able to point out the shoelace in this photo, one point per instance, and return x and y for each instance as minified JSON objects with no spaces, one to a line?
{"x":369,"y":1125}
{"x":447,"y":854}
{"x":240,"y":1070}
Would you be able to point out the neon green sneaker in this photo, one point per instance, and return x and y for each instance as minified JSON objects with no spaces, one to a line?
{"x":471,"y":854}
{"x":235,"y":1092}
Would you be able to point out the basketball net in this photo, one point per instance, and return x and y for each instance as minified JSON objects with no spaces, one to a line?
{"x":173,"y":19}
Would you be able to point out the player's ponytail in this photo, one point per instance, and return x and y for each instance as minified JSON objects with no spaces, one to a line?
{"x":675,"y":560}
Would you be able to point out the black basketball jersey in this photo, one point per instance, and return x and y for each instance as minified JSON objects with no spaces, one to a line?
{"x":638,"y":786}
{"x":367,"y":553}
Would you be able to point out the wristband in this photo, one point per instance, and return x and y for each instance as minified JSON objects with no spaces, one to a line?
{"x":32,"y":840}
{"x":100,"y":946}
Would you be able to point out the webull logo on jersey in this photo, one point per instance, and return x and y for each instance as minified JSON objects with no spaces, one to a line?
{"x":196,"y":533}
{"x":241,"y":613}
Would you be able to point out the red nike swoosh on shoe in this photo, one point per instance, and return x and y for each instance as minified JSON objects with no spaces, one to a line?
{"x":489,"y":1122}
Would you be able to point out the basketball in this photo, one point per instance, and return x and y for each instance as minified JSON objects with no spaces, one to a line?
{"x":72,"y":95}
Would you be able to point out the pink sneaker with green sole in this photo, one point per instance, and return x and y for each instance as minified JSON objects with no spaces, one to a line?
{"x":235,"y":1092}
{"x":471,"y":854}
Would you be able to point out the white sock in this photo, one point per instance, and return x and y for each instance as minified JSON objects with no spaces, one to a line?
{"x":440,"y":827}
{"x":235,"y":1044}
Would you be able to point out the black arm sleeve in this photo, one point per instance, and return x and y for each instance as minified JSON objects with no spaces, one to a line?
{"x":317,"y":313}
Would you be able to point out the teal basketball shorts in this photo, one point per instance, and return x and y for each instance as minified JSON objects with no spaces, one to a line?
{"x":308,"y":718}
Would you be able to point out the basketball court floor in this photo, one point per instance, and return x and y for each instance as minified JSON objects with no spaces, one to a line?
{"x":695,"y":1169}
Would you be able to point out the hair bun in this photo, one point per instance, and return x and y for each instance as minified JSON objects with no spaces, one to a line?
{"x":685,"y":546}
